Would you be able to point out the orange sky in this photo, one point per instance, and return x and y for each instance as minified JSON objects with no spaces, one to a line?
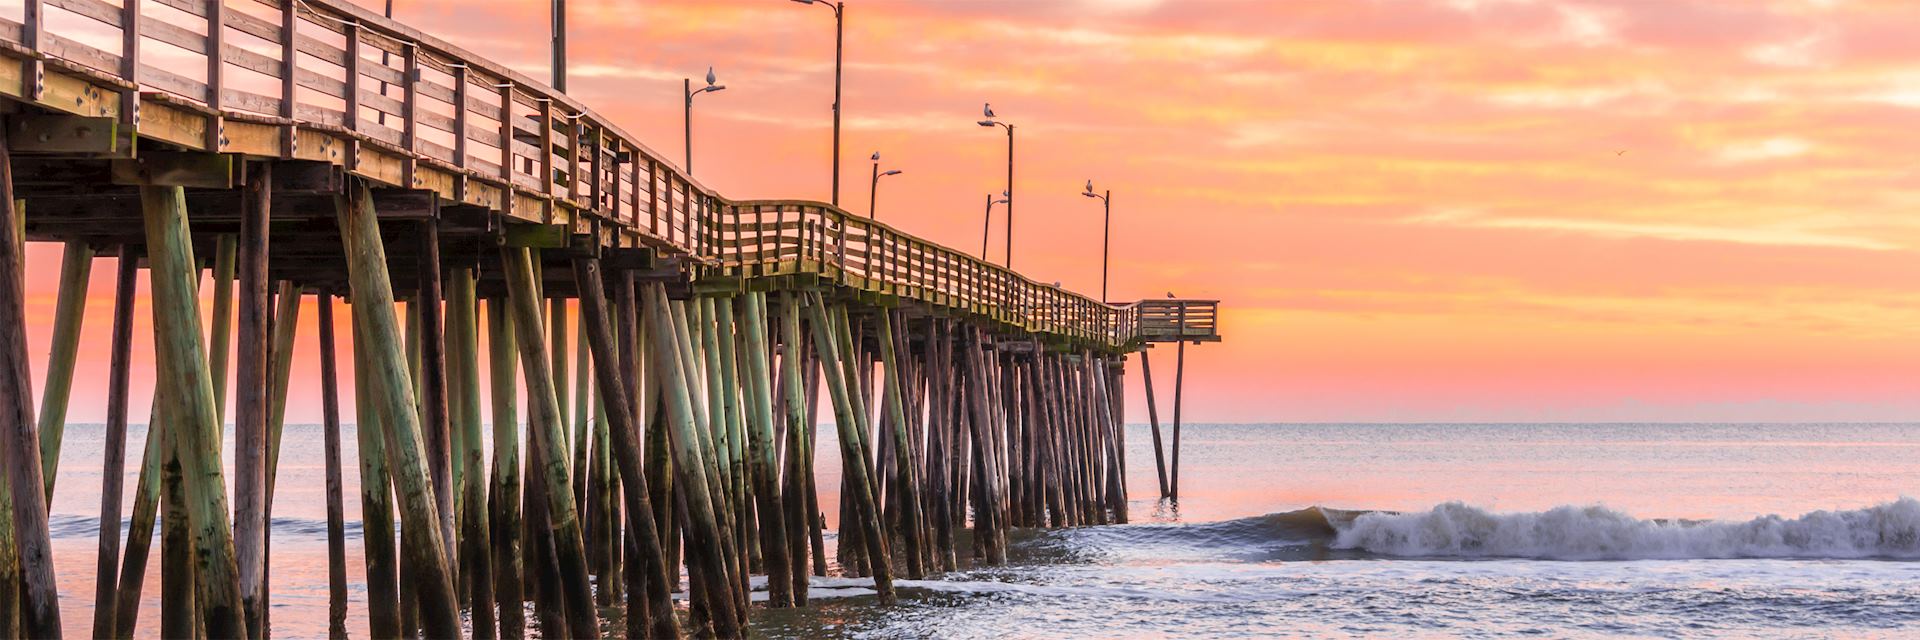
{"x":1414,"y":209}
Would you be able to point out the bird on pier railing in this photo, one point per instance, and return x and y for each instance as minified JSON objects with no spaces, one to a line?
{"x":1169,"y":295}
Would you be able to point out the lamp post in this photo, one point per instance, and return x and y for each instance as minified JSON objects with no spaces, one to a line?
{"x":687,"y":119}
{"x":873,"y":195}
{"x":839,"y":31}
{"x":558,"y":46}
{"x":1106,"y":232}
{"x":986,"y":224}
{"x":991,"y":122}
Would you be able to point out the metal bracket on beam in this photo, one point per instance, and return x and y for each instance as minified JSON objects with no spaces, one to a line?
{"x":180,"y":169}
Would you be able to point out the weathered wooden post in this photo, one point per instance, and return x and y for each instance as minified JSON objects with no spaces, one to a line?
{"x":406,"y":454}
{"x":19,"y":441}
{"x":376,"y":494}
{"x":853,"y":453}
{"x":433,"y":386}
{"x":704,"y":556}
{"x":69,"y":310}
{"x":799,"y":463}
{"x":113,"y":465}
{"x":542,"y":400}
{"x":251,"y":382}
{"x":336,"y":513}
{"x":624,"y":436}
{"x":907,"y":486}
{"x":463,"y":383}
{"x":189,"y":405}
{"x":1153,"y":423}
{"x":504,"y":497}
{"x":773,"y":534}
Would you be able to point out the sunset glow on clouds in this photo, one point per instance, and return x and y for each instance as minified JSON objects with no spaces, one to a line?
{"x":1413,"y":209}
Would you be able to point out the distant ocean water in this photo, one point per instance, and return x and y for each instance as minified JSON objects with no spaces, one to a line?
{"x":1558,"y":530}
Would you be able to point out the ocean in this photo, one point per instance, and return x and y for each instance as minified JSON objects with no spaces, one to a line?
{"x":1328,"y":530}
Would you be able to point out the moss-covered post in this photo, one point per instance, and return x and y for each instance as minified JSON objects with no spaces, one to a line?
{"x":393,"y":391}
{"x":551,"y":463}
{"x":189,"y":404}
{"x":504,"y":495}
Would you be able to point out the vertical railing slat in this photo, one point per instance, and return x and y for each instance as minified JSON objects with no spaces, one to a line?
{"x":460,"y":91}
{"x":130,"y":63}
{"x":410,"y":112}
{"x":545,"y":158}
{"x":289,"y":76}
{"x":352,"y":46}
{"x":32,"y":27}
{"x":216,"y":70}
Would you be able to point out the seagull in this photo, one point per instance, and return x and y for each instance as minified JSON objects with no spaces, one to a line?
{"x":1621,"y":153}
{"x":1169,"y":295}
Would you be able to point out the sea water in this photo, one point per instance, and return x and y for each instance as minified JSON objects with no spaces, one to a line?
{"x":1401,"y":530}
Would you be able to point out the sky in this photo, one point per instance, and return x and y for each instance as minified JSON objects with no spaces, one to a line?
{"x":1412,"y":210}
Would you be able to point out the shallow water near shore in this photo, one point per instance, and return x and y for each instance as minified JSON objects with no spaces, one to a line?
{"x":1329,"y":530}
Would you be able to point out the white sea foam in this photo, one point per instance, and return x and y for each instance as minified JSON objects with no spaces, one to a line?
{"x":1890,"y":530}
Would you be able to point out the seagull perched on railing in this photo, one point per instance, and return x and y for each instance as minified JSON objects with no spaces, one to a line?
{"x":1169,"y":295}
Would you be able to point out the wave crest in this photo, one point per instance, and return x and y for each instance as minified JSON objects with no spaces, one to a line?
{"x":1454,"y":529}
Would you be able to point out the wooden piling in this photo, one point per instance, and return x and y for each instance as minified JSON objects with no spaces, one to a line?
{"x":336,"y":514}
{"x":504,"y":494}
{"x":1179,"y":384}
{"x":1153,"y":423}
{"x":433,"y":386}
{"x":463,"y":381}
{"x":114,"y":459}
{"x":773,"y":534}
{"x":625,"y":441}
{"x":19,"y":440}
{"x":563,"y":518}
{"x":376,"y":495}
{"x":251,"y":390}
{"x":854,"y":457}
{"x":69,"y":309}
{"x":406,"y":453}
{"x":226,"y":258}
{"x":799,"y":462}
{"x":703,"y":528}
{"x":189,"y":404}
{"x":906,"y":483}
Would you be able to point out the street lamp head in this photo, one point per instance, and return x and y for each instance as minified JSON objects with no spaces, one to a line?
{"x":804,"y":1}
{"x":889,"y":173}
{"x":988,"y":123}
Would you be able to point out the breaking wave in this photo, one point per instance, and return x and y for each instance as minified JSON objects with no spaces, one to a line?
{"x":1890,"y":530}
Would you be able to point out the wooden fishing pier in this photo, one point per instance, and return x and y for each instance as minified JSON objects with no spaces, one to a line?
{"x":664,"y":346}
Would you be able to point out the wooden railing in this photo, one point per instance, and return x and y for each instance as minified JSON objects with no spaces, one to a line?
{"x":391,"y":103}
{"x":770,"y":238}
{"x":1174,"y":320}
